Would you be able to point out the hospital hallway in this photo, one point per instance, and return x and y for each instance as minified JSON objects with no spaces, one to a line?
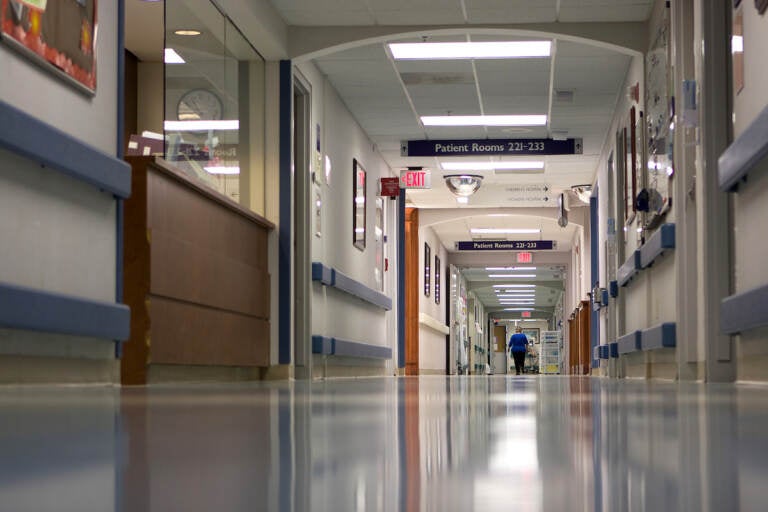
{"x":481,"y":443}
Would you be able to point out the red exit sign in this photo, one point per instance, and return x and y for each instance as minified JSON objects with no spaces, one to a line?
{"x":416,"y":179}
{"x":526,"y":314}
{"x":524,"y":257}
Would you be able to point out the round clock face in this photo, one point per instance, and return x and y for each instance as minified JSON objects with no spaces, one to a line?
{"x":199,"y":105}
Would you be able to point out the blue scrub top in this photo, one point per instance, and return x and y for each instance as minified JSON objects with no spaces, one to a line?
{"x":518,"y":342}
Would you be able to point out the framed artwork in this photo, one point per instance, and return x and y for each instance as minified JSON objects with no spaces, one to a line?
{"x":358,"y":205}
{"x":532,"y":334}
{"x":427,"y":263}
{"x":59,"y":36}
{"x":379,"y":239}
{"x":629,"y":187}
{"x":437,"y":279}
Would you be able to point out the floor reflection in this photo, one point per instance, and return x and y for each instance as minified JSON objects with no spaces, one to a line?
{"x":409,"y":444}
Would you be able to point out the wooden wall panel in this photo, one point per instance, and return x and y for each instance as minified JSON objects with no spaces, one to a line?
{"x":188,"y":272}
{"x":200,"y":261}
{"x":133,"y":363}
{"x":585,"y":345}
{"x":412,"y":290}
{"x":188,"y":334}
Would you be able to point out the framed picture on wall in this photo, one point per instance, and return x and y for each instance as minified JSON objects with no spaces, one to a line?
{"x":437,"y":279}
{"x":631,"y":167}
{"x":427,"y":263}
{"x":358,"y":205}
{"x":56,"y":35}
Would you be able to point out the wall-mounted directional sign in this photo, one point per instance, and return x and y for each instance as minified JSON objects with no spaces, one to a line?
{"x":480,"y":147}
{"x":506,"y":245}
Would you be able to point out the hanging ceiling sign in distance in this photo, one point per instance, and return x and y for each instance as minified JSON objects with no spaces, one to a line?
{"x":506,"y":245}
{"x":481,"y":147}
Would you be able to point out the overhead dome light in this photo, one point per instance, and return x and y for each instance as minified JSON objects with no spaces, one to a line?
{"x":463,"y":185}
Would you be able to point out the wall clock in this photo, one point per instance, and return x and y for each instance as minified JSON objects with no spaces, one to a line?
{"x":199,"y":105}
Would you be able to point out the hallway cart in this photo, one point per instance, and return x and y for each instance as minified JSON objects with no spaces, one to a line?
{"x":550,"y":352}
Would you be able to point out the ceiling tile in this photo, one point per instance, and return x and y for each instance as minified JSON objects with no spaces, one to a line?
{"x":419,"y":17}
{"x":312,"y":17}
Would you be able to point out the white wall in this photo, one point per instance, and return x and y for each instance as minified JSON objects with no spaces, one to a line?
{"x":751,"y":204}
{"x":59,"y":233}
{"x":342,"y":140}
{"x":432,"y":342}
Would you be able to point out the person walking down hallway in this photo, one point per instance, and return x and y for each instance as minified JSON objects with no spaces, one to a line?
{"x":518,"y":344}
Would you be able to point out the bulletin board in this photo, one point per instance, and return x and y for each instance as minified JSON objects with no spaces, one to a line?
{"x":59,"y":35}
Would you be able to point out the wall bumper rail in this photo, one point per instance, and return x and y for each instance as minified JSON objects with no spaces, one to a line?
{"x":37,"y":310}
{"x":613,"y":288}
{"x":629,"y":343}
{"x":744,"y":311}
{"x":40,"y":142}
{"x":340,"y":281}
{"x":660,"y":336}
{"x":322,"y":273}
{"x":744,"y":154}
{"x":600,"y":352}
{"x":613,"y":349}
{"x":328,"y":346}
{"x":660,"y":242}
{"x":629,"y":269}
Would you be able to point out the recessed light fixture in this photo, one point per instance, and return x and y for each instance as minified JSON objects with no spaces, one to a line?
{"x":171,"y":57}
{"x":187,"y":32}
{"x":518,"y":309}
{"x":201,"y":126}
{"x":514,"y":286}
{"x":492,"y":166}
{"x":494,"y":120}
{"x":472,"y":50}
{"x":504,"y":231}
{"x":504,"y":276}
{"x":507,"y":296}
{"x":510,"y":268}
{"x":462,"y":200}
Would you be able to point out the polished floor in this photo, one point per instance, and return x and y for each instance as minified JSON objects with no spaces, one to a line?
{"x":409,"y":444}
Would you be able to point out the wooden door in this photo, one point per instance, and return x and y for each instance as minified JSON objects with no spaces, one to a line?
{"x":412,"y":291}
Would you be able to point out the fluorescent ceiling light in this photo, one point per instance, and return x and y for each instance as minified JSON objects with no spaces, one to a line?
{"x":504,"y":231}
{"x":491,"y":166}
{"x":462,"y":200}
{"x":514,"y":285}
{"x":201,"y":126}
{"x":505,"y":276}
{"x":737,"y":44}
{"x":187,"y":32}
{"x":518,"y":309}
{"x":499,"y":120}
{"x":471,"y":50}
{"x":510,"y":268}
{"x":222,"y":170}
{"x":171,"y":57}
{"x":505,"y":296}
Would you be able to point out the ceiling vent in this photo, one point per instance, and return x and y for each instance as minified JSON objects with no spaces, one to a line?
{"x":564,"y":96}
{"x":437,"y":78}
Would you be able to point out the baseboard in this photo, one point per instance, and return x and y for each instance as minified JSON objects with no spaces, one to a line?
{"x":424,"y":371}
{"x":58,"y":370}
{"x":167,"y":373}
{"x":277,"y":372}
{"x":332,"y":371}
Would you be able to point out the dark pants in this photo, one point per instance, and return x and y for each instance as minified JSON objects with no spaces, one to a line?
{"x":519,"y":358}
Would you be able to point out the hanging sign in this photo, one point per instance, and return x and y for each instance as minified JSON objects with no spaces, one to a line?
{"x":416,"y":178}
{"x":482,"y":147}
{"x":506,"y":245}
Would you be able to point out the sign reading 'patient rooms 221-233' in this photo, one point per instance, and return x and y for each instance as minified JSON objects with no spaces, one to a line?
{"x":480,"y":147}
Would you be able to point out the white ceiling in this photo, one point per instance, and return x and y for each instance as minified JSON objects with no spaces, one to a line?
{"x":445,"y":12}
{"x":548,"y":285}
{"x":387,"y":97}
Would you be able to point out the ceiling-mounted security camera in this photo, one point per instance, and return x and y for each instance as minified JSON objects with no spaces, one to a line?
{"x":463,"y":185}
